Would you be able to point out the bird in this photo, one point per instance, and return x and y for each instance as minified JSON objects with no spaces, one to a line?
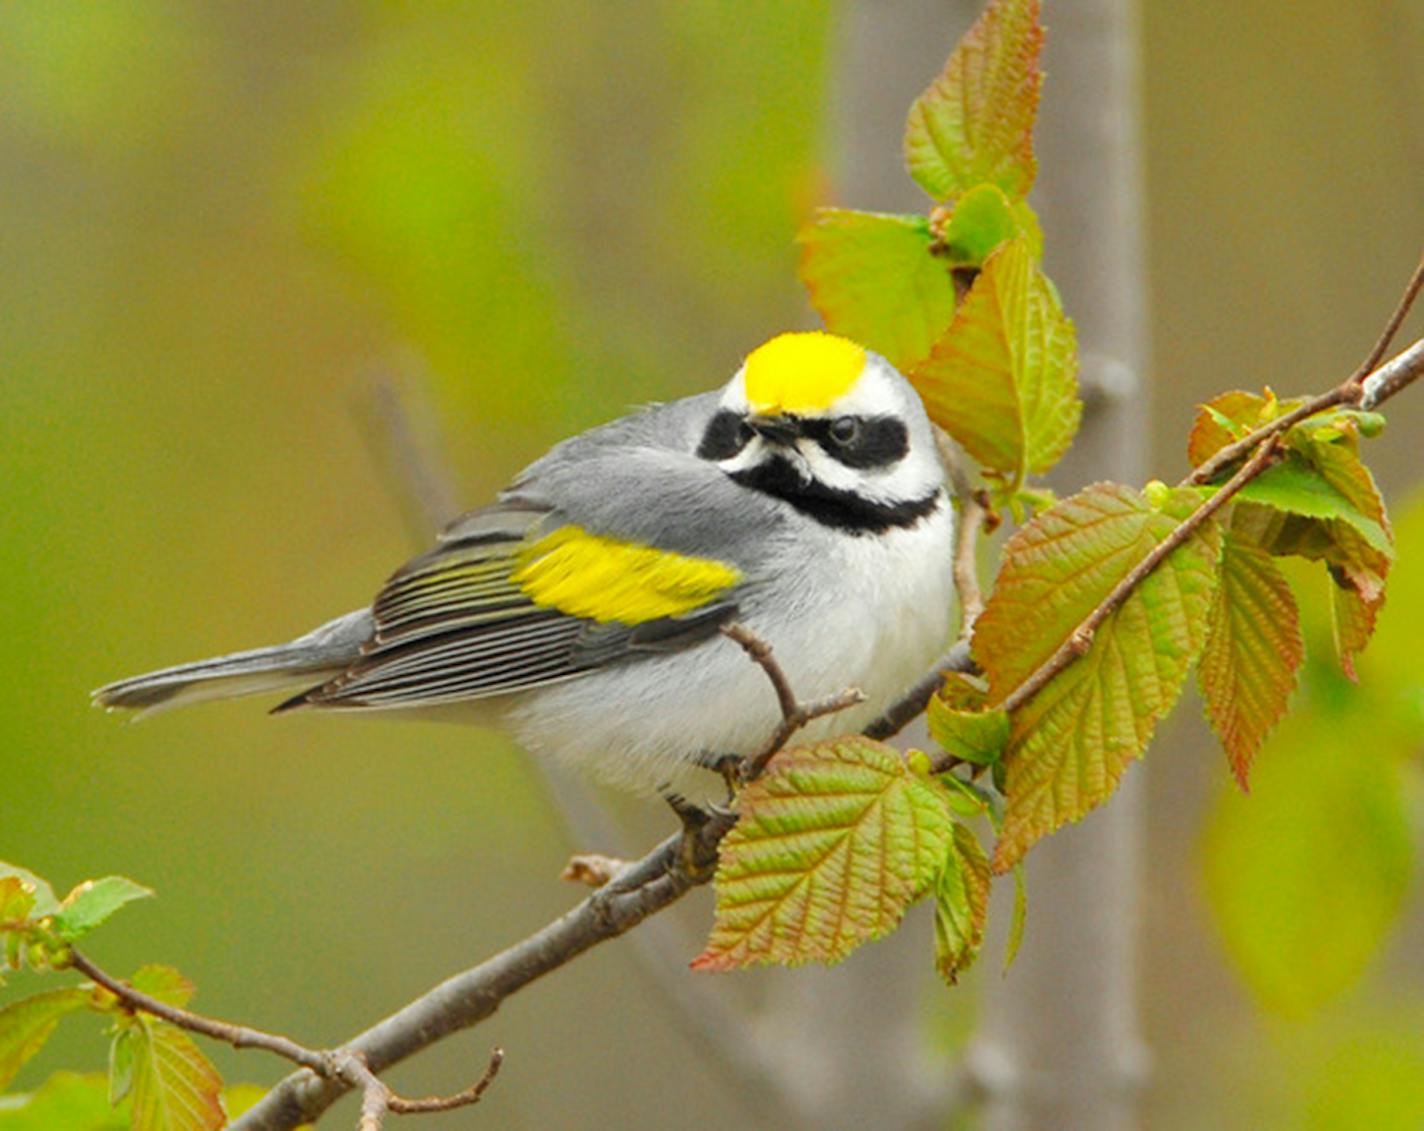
{"x":582,"y":610}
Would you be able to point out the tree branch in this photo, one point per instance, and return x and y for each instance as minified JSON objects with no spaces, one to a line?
{"x":1081,"y":638}
{"x":344,"y":1065}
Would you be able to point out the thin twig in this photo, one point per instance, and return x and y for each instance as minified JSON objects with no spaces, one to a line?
{"x":1081,"y":638}
{"x":342,"y":1064}
{"x":794,"y":713}
{"x":239,"y":1036}
{"x":974,"y":510}
{"x":1394,"y":375}
{"x":912,"y":704}
{"x":1396,"y":319}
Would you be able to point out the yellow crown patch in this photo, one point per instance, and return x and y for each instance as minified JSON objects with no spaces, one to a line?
{"x":805,"y":372}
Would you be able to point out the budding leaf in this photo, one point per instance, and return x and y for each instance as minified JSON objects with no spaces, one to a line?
{"x":92,"y":902}
{"x":1070,"y":744}
{"x":835,"y":841}
{"x":961,"y":725}
{"x":871,"y":278}
{"x":981,"y":220}
{"x":1002,"y":380}
{"x":975,"y":121}
{"x":1230,"y":417}
{"x":175,"y":1087}
{"x":1253,"y":652}
{"x":961,"y":905}
{"x":26,"y":1025}
{"x":42,"y":895}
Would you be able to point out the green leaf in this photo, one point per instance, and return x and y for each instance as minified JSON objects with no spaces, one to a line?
{"x":1070,"y":744}
{"x":66,"y":1102}
{"x":163,"y":983}
{"x":92,"y":902}
{"x":961,"y":905}
{"x":121,"y":1061}
{"x":26,"y":1025}
{"x":45,"y":902}
{"x":1002,"y":379}
{"x":872,"y":278}
{"x":1253,"y":652}
{"x":961,"y":725}
{"x":974,"y":124}
{"x":1297,"y":487}
{"x":1306,"y":877}
{"x":835,"y":841}
{"x":983,"y":219}
{"x":175,"y":1087}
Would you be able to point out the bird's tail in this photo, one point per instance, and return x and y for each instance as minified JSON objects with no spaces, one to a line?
{"x":320,"y":653}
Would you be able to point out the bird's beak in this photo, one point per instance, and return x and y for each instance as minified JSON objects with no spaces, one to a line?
{"x":778,"y":429}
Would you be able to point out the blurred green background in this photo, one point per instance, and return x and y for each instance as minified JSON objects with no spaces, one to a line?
{"x":219,"y":221}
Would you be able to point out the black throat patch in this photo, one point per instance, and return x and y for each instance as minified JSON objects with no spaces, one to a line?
{"x":831,"y":506}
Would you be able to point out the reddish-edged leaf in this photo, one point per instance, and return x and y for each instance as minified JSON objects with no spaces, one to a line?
{"x":871,"y":278}
{"x":975,"y":121}
{"x":1002,"y":381}
{"x":834,"y":842}
{"x":26,"y":1025}
{"x":1253,"y":652}
{"x":1070,"y":743}
{"x":175,"y":1087}
{"x":961,"y":905}
{"x":1353,"y":624}
{"x":1226,"y":419}
{"x":982,"y":220}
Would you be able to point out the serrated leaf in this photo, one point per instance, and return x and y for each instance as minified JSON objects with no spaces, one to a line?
{"x":974,"y":123}
{"x":92,"y":902}
{"x":175,"y":1087}
{"x":66,"y":1102}
{"x":1253,"y":652}
{"x":1352,"y":623}
{"x":45,"y":902}
{"x":872,"y":278}
{"x":1070,"y":744}
{"x":835,"y":841}
{"x":1002,"y":380}
{"x":1306,"y":878}
{"x":163,"y":983}
{"x":961,"y":905}
{"x":26,"y":1025}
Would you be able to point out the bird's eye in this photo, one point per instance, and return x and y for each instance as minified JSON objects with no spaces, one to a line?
{"x":845,"y":430}
{"x":744,"y":433}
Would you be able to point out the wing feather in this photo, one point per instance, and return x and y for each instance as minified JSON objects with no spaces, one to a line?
{"x":479,"y":614}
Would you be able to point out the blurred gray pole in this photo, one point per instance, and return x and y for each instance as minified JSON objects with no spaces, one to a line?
{"x":1059,"y":1045}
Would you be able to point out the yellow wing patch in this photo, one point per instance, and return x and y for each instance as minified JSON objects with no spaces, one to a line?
{"x":802,"y":372}
{"x":605,"y":579}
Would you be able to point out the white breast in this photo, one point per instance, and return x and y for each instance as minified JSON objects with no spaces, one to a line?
{"x":871,"y":612}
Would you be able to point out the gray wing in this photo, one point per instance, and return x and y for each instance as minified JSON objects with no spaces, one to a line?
{"x":454,"y":624}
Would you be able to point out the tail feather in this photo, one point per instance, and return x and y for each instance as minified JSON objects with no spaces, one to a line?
{"x":317,"y":655}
